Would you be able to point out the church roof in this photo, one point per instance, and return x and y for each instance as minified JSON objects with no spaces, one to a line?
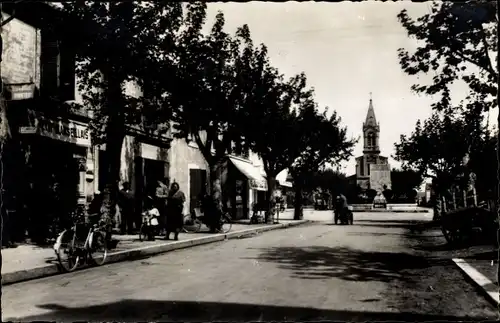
{"x":370,"y":115}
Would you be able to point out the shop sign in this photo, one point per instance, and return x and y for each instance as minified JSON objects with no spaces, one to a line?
{"x":21,"y":91}
{"x":258,"y":185}
{"x":71,"y":131}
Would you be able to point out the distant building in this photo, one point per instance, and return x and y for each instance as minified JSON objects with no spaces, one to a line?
{"x":372,"y":169}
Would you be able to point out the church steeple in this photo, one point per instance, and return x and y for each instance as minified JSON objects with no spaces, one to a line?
{"x":370,"y":115}
{"x":371,"y":131}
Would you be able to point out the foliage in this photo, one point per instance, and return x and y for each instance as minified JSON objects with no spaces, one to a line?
{"x":265,"y":119}
{"x":325,"y":141}
{"x":388,"y":194}
{"x":435,"y":149}
{"x":371,"y":193}
{"x":404,"y":182}
{"x":206,"y":96}
{"x":328,"y":180}
{"x":458,"y":41}
{"x":483,"y":163}
{"x":113,"y":42}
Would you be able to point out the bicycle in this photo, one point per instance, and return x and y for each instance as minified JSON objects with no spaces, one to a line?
{"x":193,"y":222}
{"x":150,"y":226}
{"x":68,"y":243}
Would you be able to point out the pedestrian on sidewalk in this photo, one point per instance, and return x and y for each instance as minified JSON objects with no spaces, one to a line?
{"x":126,"y":204}
{"x":175,"y":207}
{"x":161,"y":196}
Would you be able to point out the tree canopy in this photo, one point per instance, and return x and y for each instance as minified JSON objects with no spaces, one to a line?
{"x":458,"y":42}
{"x":405,"y":182}
{"x":113,"y":43}
{"x":435,"y":149}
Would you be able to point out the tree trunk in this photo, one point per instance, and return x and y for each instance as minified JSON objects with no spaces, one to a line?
{"x":213,"y":179}
{"x":114,"y":142}
{"x":298,"y":212}
{"x":115,"y":134}
{"x":271,"y":187}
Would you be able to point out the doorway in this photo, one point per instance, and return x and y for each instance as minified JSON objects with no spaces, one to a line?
{"x":197,"y":182}
{"x":147,"y":173}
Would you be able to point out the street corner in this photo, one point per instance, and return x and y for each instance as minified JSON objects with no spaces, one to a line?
{"x":481,"y":274}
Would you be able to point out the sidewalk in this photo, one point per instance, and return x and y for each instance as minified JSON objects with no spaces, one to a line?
{"x":481,"y":268}
{"x":30,"y":262}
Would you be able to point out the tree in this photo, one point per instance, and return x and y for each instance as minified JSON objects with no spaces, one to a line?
{"x":329,"y":180}
{"x":483,"y":164}
{"x":371,"y":193}
{"x":458,"y":41}
{"x":119,"y":39}
{"x":205,"y":96}
{"x":435,"y":150}
{"x":325,"y":141}
{"x":388,"y":194}
{"x":266,"y":119}
{"x":404,"y":182}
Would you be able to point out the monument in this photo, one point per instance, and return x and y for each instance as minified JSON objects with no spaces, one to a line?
{"x":372,"y":169}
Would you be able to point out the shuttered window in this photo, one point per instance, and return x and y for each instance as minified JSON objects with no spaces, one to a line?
{"x":50,"y":68}
{"x":58,"y":69}
{"x":67,"y":74}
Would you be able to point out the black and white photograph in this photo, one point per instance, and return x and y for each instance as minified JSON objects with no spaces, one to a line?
{"x":256,"y":161}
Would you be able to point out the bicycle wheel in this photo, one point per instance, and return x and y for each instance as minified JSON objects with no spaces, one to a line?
{"x":191,"y":225}
{"x":226,"y":224}
{"x":67,"y":253}
{"x":98,"y":249}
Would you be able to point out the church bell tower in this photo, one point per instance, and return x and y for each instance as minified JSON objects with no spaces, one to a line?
{"x":371,"y":132}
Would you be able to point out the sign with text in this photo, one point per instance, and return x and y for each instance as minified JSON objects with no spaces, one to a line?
{"x":67,"y":131}
{"x":258,"y":185}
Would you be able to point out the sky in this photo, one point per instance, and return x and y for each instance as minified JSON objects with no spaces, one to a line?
{"x":347,"y":50}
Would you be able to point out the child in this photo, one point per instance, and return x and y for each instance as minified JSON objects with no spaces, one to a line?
{"x":150,"y":220}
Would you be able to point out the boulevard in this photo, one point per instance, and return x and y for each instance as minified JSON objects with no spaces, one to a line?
{"x":380,"y":268}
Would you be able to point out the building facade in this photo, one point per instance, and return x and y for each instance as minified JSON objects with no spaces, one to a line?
{"x":372,"y":169}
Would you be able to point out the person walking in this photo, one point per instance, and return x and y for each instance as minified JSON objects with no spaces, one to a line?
{"x":341,"y":207}
{"x":126,"y":204}
{"x":175,"y":206}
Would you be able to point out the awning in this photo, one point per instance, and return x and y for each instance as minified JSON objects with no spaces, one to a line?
{"x":286,"y":184}
{"x":284,"y":178}
{"x":255,"y":179}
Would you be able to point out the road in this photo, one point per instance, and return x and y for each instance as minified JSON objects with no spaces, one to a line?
{"x":378,"y":269}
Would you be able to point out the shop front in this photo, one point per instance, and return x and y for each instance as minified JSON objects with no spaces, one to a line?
{"x":58,"y":165}
{"x":240,"y":179}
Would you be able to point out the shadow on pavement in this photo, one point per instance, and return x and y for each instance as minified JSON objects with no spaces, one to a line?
{"x":344,"y":263}
{"x":152,"y":310}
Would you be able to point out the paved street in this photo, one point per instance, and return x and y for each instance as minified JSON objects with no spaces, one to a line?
{"x":378,"y":269}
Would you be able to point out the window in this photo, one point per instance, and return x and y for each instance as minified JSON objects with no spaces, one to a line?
{"x":57,"y":69}
{"x":371,"y":140}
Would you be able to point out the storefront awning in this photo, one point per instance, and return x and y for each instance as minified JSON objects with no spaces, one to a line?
{"x":256,"y":180}
{"x":286,"y":184}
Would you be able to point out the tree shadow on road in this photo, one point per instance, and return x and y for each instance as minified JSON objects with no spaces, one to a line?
{"x":155,"y":310}
{"x":344,"y":263}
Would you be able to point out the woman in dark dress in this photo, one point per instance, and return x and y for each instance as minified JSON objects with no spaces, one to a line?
{"x":175,"y":206}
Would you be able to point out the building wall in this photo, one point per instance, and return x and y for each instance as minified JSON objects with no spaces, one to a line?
{"x":21,"y":52}
{"x":182,"y":158}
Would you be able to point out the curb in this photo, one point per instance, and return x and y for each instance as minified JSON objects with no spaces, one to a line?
{"x":53,"y":269}
{"x":479,"y":280}
{"x":392,"y":211}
